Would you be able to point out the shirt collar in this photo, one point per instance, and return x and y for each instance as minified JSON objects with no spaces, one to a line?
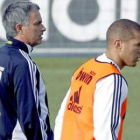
{"x":104,"y":58}
{"x":30,"y":49}
{"x":19,"y":45}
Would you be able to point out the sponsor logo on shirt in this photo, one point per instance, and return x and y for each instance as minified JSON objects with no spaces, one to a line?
{"x":84,"y":76}
{"x":74,"y":102}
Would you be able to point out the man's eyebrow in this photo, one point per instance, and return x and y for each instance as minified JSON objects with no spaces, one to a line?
{"x":37,"y":22}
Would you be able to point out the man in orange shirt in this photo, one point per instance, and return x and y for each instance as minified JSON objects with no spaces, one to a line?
{"x":95,"y":105}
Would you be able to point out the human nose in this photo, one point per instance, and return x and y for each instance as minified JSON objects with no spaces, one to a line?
{"x":43,"y":28}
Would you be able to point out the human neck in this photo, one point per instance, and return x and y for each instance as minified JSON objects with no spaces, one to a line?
{"x":115,"y":57}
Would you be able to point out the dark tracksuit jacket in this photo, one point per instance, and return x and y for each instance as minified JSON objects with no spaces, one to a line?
{"x":24,"y":113}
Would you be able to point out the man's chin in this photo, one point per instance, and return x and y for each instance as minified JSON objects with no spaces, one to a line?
{"x":132,"y":65}
{"x":39,"y":42}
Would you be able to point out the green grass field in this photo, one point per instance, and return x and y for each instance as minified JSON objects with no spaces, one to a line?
{"x":57,"y":72}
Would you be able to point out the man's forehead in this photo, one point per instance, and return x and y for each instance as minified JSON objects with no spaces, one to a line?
{"x":136,"y":37}
{"x":35,"y":15}
{"x":136,"y":32}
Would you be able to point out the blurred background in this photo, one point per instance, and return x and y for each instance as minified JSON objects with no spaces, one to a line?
{"x":76,"y":32}
{"x":77,"y":26}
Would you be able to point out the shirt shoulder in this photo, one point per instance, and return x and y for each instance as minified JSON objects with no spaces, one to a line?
{"x":113,"y":83}
{"x":12,"y":58}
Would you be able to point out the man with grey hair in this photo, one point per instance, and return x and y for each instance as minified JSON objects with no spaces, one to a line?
{"x":24,"y":114}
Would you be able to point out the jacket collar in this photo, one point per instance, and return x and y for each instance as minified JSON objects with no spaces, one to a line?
{"x":19,"y":45}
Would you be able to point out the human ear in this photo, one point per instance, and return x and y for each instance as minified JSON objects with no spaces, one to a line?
{"x":18,"y":28}
{"x":118,"y":44}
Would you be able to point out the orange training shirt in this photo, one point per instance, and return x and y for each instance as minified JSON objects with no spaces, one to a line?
{"x":78,"y":121}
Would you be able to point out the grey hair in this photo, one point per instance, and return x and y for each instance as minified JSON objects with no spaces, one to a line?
{"x":17,"y":13}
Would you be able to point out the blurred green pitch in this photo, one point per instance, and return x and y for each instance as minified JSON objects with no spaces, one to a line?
{"x":57,"y":72}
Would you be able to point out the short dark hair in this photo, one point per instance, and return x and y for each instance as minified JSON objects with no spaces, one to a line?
{"x":122,"y":29}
